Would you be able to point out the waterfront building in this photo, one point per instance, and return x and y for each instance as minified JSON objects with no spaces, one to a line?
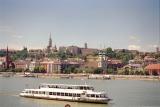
{"x":114,"y":64}
{"x":22,"y":64}
{"x":51,"y":66}
{"x":102,"y":61}
{"x":149,"y":60}
{"x":58,"y":66}
{"x":33,"y":64}
{"x":153,"y":69}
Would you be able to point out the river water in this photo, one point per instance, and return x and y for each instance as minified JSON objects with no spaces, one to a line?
{"x":125,"y":93}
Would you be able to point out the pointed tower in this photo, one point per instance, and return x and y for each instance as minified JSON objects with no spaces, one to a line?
{"x":50,"y":41}
{"x":85,"y":45}
{"x":7,"y":59}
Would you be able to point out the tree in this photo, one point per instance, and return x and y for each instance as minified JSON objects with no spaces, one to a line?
{"x":53,"y":55}
{"x":39,"y":69}
{"x":109,"y":52}
{"x":62,"y":55}
{"x":124,"y":56}
{"x":23,"y":54}
{"x":98,"y":71}
{"x":69,"y":69}
{"x":110,"y":70}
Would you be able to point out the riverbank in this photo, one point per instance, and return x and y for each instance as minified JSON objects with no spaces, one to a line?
{"x":83,"y":76}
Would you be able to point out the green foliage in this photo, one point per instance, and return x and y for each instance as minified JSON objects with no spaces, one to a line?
{"x":98,"y":71}
{"x":129,"y":71}
{"x":53,"y":55}
{"x":124,"y":56}
{"x":95,"y":53}
{"x":39,"y":69}
{"x":109,"y":52}
{"x":87,"y":70}
{"x":110,"y":70}
{"x":2,"y":70}
{"x":23,"y":54}
{"x":2,"y":53}
{"x":62,"y":55}
{"x":69,"y":69}
{"x":18,"y":70}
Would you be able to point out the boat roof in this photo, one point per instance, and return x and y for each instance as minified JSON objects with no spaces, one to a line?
{"x":67,"y":85}
{"x":65,"y":90}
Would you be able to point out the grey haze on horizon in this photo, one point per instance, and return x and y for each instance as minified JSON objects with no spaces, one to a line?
{"x":129,"y":24}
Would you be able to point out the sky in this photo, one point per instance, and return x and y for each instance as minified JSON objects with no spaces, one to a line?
{"x":127,"y":24}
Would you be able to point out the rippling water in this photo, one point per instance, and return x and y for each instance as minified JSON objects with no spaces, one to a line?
{"x":125,"y":93}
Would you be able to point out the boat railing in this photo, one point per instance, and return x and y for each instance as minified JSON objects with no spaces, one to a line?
{"x":67,"y":87}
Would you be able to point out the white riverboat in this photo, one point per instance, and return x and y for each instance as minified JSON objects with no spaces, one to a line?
{"x":78,"y":93}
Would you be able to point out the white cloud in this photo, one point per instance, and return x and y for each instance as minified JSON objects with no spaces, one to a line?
{"x":134,"y":47}
{"x":17,"y":36}
{"x":8,"y":31}
{"x":134,"y":38}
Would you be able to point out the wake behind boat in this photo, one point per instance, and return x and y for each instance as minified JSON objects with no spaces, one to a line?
{"x":78,"y":93}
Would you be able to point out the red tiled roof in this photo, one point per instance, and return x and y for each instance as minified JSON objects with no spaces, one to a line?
{"x":153,"y":67}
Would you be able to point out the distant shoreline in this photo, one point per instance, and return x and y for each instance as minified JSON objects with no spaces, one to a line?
{"x":84,"y":76}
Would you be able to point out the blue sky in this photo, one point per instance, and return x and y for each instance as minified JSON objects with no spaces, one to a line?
{"x":130,"y":24}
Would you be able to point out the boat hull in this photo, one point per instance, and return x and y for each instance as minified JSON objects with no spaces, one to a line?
{"x":84,"y":100}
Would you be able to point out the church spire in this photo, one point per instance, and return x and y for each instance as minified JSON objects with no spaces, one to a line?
{"x":50,"y":41}
{"x":7,"y":58}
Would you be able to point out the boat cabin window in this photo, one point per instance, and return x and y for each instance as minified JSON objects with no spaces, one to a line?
{"x":50,"y":93}
{"x":36,"y":92}
{"x":88,"y":95}
{"x":70,"y":94}
{"x":40,"y":92}
{"x":74,"y":95}
{"x":58,"y":93}
{"x":43,"y":92}
{"x":81,"y":88}
{"x":78,"y":95}
{"x":103,"y":96}
{"x":66,"y":94}
{"x":92,"y":95}
{"x":69,"y":87}
{"x":97,"y":96}
{"x":54,"y":93}
{"x":62,"y":94}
